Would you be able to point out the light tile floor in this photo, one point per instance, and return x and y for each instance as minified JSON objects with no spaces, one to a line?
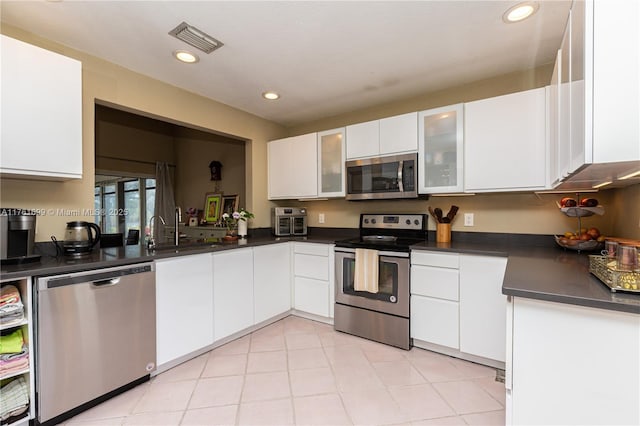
{"x":301,"y":372}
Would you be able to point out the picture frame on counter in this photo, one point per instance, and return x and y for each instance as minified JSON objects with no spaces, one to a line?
{"x":212,"y":203}
{"x":229,"y":204}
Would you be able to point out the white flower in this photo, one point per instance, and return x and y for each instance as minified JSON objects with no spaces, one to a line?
{"x":236,"y":215}
{"x":225,"y":216}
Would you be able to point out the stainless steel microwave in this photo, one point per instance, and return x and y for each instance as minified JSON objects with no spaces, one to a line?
{"x":394,"y":176}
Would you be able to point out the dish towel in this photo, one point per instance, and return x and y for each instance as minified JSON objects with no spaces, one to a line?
{"x":366,"y":273}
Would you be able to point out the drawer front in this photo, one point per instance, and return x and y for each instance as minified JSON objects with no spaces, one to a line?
{"x":435,"y":321}
{"x":316,"y":267}
{"x":441,"y":283}
{"x":312,"y":248}
{"x":439,"y":260}
{"x":311,"y":296}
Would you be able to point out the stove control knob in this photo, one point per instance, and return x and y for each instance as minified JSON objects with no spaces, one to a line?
{"x":366,"y":221}
{"x":408,"y":222}
{"x":416,"y":222}
{"x":392,"y":299}
{"x":373,"y":221}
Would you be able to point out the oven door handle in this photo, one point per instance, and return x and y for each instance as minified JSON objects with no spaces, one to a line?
{"x":380,"y":253}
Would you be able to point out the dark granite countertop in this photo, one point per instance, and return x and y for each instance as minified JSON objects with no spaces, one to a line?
{"x":50,"y":264}
{"x":536,"y":267}
{"x":540,"y":270}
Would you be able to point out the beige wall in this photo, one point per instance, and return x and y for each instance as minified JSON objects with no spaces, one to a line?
{"x":116,"y":85}
{"x":496,"y":86}
{"x":195,"y":150}
{"x":625,"y":212}
{"x":128,"y":144}
{"x":508,"y":213}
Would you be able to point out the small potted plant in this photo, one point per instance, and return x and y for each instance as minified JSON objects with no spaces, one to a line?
{"x":236,"y":223}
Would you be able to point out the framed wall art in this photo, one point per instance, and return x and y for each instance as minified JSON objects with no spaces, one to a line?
{"x":229,"y":204}
{"x":212,"y":204}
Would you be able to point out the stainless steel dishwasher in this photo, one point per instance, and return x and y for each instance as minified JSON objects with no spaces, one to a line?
{"x":96,"y":336}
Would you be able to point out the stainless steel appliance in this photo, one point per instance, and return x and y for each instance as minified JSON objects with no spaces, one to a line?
{"x":96,"y":337}
{"x":17,"y":235}
{"x":382,"y":316}
{"x":288,"y":221}
{"x":394,"y":176}
{"x":80,"y":238}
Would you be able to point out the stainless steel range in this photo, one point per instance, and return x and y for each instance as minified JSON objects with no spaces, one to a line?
{"x":372,"y":277}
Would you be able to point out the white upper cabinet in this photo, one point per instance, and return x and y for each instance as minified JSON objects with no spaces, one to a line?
{"x":553,"y":112}
{"x":399,"y":134}
{"x":505,"y":146}
{"x":41,"y":113}
{"x":293,"y":167}
{"x":363,"y":140}
{"x":440,"y":150}
{"x":600,"y":90}
{"x":614,"y":28}
{"x":331,"y":158}
{"x":391,"y":135}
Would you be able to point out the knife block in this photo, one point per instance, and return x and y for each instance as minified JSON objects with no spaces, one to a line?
{"x":443,"y":233}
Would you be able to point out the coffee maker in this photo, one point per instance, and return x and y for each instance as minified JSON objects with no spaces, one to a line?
{"x":17,"y":235}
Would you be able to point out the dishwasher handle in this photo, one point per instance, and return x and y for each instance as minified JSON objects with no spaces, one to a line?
{"x":104,"y":283}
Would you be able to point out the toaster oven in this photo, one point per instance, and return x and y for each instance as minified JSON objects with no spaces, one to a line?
{"x":288,"y":221}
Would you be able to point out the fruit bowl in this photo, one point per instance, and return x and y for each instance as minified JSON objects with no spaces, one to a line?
{"x":579,"y":245}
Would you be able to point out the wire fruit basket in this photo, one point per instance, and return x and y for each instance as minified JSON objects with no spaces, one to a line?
{"x":605,"y":269}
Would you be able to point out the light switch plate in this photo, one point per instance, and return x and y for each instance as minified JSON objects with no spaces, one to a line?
{"x":320,"y":217}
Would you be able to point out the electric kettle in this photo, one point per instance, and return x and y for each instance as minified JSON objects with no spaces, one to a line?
{"x":80,"y":238}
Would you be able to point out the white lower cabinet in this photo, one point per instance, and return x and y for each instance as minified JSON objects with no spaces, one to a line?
{"x":482,"y":306}
{"x":184,"y":306}
{"x":458,"y":305}
{"x":271,"y":281}
{"x":232,"y":292}
{"x":313,"y":278}
{"x":434,"y":321}
{"x":434,"y":298}
{"x":570,"y":364}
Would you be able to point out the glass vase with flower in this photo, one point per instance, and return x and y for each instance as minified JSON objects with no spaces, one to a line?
{"x":236,"y":223}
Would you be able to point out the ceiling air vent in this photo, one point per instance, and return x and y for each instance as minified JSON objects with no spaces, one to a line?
{"x":196,"y":38}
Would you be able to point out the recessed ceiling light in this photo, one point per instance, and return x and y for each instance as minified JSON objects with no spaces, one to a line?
{"x":272,"y":96}
{"x":185,"y":56}
{"x":520,"y":12}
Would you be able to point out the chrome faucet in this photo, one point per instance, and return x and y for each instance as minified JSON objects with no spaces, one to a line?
{"x":151,"y":242}
{"x":176,"y":235}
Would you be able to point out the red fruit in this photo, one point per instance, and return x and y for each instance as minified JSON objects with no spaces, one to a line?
{"x":588,"y":202}
{"x":568,"y":202}
{"x":585,"y":237}
{"x":594,"y":232}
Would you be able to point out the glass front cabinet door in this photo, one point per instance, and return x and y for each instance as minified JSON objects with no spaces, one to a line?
{"x":440,"y":150}
{"x":331,"y":158}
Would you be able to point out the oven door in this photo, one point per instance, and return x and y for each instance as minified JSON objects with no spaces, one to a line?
{"x":298,"y":225}
{"x":282,"y":226}
{"x":393,"y":282}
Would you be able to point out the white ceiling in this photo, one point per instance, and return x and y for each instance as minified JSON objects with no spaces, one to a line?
{"x":325,"y":58}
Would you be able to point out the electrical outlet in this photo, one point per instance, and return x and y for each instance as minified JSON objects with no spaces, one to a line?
{"x":320,"y":217}
{"x":468,"y":219}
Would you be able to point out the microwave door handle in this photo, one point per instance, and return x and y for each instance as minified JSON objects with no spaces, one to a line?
{"x":400,"y":183}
